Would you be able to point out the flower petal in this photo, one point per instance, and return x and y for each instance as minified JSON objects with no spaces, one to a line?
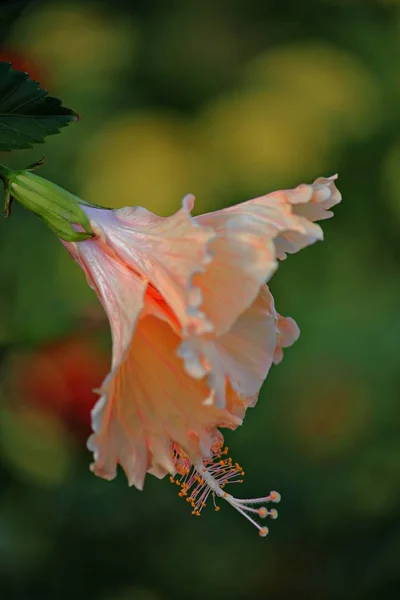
{"x":168,"y":251}
{"x":324,"y":195}
{"x":147,"y":403}
{"x":250,"y":237}
{"x":309,"y":203}
{"x":243,"y":356}
{"x":244,"y":257}
{"x":120,"y":290}
{"x":288,"y":333}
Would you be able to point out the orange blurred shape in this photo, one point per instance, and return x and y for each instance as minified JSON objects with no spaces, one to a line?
{"x":334,"y":414}
{"x":27,"y":65}
{"x":60,"y":377}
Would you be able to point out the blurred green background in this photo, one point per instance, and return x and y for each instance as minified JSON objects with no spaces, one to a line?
{"x":227,"y":99}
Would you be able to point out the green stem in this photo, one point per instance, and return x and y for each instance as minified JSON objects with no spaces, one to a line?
{"x":5,"y":176}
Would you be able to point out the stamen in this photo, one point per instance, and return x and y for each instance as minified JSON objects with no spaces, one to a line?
{"x":210,"y":476}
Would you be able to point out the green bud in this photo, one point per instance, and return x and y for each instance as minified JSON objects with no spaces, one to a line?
{"x":59,"y":209}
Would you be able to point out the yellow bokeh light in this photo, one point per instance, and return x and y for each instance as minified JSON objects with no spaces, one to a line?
{"x":296,"y":106}
{"x":322,"y":77}
{"x":261,"y":140}
{"x":144,"y":159}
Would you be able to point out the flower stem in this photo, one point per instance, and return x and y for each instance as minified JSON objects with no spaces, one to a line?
{"x":5,"y":176}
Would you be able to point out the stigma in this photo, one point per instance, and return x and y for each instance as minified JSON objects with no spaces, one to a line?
{"x":207,"y":477}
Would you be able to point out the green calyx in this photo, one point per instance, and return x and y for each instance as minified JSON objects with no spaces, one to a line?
{"x":60,"y":210}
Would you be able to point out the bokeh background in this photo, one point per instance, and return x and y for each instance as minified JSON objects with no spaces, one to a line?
{"x":227,"y":99}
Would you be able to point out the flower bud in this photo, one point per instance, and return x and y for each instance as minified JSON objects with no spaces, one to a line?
{"x":59,"y":209}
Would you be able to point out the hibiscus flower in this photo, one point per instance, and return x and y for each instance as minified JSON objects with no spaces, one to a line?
{"x":193,"y":323}
{"x":194,"y":331}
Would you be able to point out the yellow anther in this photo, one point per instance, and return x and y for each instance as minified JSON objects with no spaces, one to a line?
{"x":263,"y":531}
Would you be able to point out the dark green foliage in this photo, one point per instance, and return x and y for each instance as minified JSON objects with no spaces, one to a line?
{"x":27,"y":113}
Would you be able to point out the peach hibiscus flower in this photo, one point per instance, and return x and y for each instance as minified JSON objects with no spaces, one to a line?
{"x":194,"y":332}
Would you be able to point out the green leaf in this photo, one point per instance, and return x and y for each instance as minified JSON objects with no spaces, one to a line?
{"x":27,"y":113}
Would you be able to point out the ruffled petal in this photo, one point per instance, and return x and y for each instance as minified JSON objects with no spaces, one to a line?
{"x":244,"y":257}
{"x":288,"y":333}
{"x":168,"y":251}
{"x":324,"y":195}
{"x":250,"y":237}
{"x":309,"y":203}
{"x":243,"y":356}
{"x":147,"y":403}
